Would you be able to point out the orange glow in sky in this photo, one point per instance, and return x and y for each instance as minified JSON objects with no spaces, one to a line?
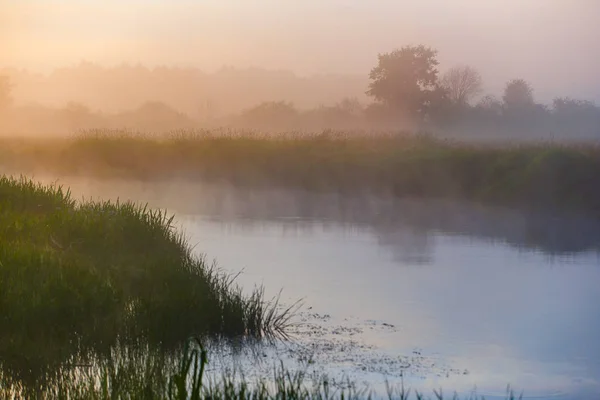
{"x":551,"y":42}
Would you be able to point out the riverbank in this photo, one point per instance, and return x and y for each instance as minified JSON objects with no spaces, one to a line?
{"x":532,"y":176}
{"x":76,"y":278}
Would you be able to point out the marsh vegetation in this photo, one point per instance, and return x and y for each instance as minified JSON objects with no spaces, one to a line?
{"x":78,"y":278}
{"x":536,"y":175}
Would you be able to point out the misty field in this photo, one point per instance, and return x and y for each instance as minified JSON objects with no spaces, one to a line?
{"x":76,"y":279}
{"x":534,"y":175}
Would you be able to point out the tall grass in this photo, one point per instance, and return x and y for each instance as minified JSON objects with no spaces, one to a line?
{"x":144,"y":374}
{"x":76,"y":278}
{"x":535,"y":175}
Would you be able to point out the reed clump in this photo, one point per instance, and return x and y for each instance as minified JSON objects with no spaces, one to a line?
{"x":76,"y":277}
{"x":538,"y":175}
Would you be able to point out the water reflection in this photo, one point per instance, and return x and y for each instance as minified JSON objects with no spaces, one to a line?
{"x":505,"y":316}
{"x":403,"y":224}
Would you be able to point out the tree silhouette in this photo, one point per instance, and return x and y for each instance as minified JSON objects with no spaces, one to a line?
{"x":350,"y":106}
{"x":568,"y":107}
{"x":461,"y":83}
{"x":275,"y":114}
{"x":518,"y":95}
{"x":491,"y":104}
{"x":406,"y":80}
{"x":77,"y":115}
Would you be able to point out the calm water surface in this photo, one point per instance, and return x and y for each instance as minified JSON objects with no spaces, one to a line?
{"x":445,"y":295}
{"x":498,"y":314}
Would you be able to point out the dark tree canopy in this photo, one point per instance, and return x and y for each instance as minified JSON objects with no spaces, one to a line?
{"x":405,"y":80}
{"x":518,"y":94}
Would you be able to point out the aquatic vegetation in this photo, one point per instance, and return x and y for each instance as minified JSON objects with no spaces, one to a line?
{"x":143,"y":374}
{"x":78,"y":277}
{"x":529,"y":175}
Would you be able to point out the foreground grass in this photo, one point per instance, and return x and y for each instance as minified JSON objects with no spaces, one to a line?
{"x":541,"y":175}
{"x":75,"y":278}
{"x":140,"y":373}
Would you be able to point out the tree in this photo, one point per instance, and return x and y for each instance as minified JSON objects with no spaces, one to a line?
{"x":5,"y":91}
{"x":518,"y":95}
{"x":406,"y":80}
{"x":350,"y":106}
{"x":576,"y":116}
{"x":568,"y":107}
{"x":76,"y":115}
{"x":490,"y":104}
{"x":275,"y":114}
{"x":461,"y":83}
{"x":156,"y":115}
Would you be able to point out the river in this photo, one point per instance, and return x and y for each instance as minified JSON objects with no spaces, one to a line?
{"x":437,"y":294}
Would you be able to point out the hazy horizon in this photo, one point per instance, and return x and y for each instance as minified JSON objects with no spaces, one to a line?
{"x":549,"y":43}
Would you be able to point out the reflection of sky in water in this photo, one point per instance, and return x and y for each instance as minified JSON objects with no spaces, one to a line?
{"x":511,"y":297}
{"x":506,"y":316}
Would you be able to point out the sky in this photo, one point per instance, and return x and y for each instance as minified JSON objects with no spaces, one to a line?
{"x":550,"y":43}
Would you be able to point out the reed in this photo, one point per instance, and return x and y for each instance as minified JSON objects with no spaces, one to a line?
{"x":548,"y":175}
{"x":143,"y":374}
{"x":76,"y":277}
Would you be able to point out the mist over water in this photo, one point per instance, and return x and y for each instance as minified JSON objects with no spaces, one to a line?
{"x":552,"y":234}
{"x":469,"y":296}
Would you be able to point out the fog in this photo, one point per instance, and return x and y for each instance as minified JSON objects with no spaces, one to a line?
{"x":552,"y":43}
{"x":405,"y":225}
{"x":214,"y":58}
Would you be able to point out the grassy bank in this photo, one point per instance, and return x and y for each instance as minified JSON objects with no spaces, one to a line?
{"x":542,"y":175}
{"x":78,"y":277}
{"x":144,"y":374}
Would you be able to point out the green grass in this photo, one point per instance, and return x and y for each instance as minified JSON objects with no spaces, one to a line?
{"x":76,"y":278}
{"x":534,"y":175}
{"x":140,"y":373}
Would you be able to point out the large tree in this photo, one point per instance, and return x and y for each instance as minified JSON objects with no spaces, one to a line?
{"x":406,"y":80}
{"x":461,"y":83}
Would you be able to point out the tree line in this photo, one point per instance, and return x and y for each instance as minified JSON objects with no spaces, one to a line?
{"x":406,"y":83}
{"x":407,"y":91}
